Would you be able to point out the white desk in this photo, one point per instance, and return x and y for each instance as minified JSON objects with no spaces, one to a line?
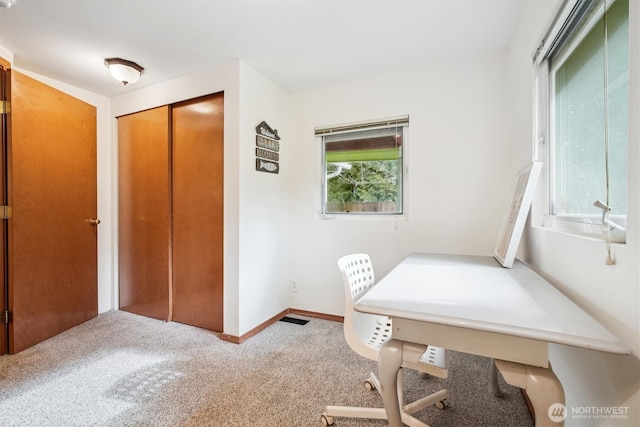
{"x":474,"y":305}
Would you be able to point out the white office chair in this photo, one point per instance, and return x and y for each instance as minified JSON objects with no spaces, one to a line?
{"x":365,"y":334}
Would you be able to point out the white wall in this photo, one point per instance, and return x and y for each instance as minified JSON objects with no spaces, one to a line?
{"x":460,"y":171}
{"x":576,"y":265}
{"x":264,"y":204}
{"x":6,"y":54}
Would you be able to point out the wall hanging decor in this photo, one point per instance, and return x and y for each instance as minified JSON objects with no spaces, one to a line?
{"x":267,"y":148}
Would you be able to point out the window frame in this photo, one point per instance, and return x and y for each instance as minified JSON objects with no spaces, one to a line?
{"x":401,"y":122}
{"x":555,"y":42}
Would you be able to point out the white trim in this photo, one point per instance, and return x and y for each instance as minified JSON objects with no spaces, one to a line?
{"x":553,"y":30}
{"x":587,"y":226}
{"x":589,"y":22}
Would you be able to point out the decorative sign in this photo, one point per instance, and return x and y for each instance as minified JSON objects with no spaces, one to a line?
{"x":266,"y":154}
{"x":268,"y":145}
{"x":264,"y":129}
{"x":267,"y":166}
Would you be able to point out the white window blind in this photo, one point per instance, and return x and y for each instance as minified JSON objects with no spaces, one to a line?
{"x":586,"y":53}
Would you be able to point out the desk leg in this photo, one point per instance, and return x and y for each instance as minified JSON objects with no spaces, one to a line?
{"x":389,"y":362}
{"x":543,"y":388}
{"x":495,"y":385}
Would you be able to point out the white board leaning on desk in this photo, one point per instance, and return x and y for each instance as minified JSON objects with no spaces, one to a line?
{"x":516,"y":214}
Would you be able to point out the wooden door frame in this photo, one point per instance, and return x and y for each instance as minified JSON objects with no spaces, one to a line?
{"x":4,"y":322}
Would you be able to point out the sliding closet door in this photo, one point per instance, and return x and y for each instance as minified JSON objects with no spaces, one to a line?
{"x":144,"y":213}
{"x":198,"y":160}
{"x":52,"y":233}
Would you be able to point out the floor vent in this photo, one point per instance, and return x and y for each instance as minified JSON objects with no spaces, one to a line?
{"x":294,"y":320}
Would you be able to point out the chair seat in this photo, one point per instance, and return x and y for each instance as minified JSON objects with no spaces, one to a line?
{"x":366,"y":333}
{"x":434,"y":358}
{"x":373,"y":331}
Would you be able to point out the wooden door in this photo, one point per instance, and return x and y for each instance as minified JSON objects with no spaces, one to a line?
{"x":4,"y":327}
{"x":144,"y":213}
{"x":197,"y":192}
{"x":51,"y":235}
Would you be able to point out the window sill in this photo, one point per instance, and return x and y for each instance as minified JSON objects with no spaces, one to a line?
{"x":361,"y":216}
{"x":582,"y":230}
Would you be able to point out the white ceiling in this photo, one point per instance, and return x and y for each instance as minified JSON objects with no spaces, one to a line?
{"x":297,"y":44}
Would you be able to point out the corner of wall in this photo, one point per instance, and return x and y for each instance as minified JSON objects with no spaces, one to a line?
{"x":263,"y":225}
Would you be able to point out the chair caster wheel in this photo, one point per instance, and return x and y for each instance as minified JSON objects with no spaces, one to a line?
{"x":369,"y":385}
{"x":327,"y":420}
{"x":443,"y":404}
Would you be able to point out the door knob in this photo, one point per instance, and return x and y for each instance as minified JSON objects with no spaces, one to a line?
{"x":94,"y":221}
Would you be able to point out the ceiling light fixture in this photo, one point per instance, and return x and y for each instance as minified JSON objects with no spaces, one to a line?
{"x":6,"y":4}
{"x":122,"y":70}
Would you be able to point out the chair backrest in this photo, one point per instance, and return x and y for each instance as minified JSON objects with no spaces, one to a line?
{"x":364,"y":332}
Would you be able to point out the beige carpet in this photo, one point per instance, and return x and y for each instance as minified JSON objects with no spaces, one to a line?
{"x":126,"y":370}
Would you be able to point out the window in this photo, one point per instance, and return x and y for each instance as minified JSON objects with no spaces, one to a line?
{"x":588,"y":120}
{"x":363,"y":167}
